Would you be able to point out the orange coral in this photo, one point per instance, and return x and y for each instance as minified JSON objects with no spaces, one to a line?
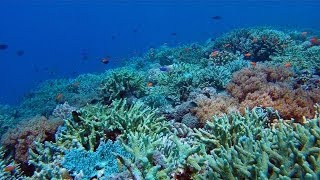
{"x":208,"y":107}
{"x":274,"y":87}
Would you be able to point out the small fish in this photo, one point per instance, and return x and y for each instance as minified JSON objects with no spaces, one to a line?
{"x":173,"y":34}
{"x":214,"y":53}
{"x":149,"y":84}
{"x":287,"y":65}
{"x":193,"y":104}
{"x":315,"y":41}
{"x":105,"y":60}
{"x":59,"y":97}
{"x":304,"y":33}
{"x":163,"y":68}
{"x":3,"y":46}
{"x":75,"y":116}
{"x":254,"y":40}
{"x":20,"y":52}
{"x":253,"y":64}
{"x":247,"y":55}
{"x":9,"y":168}
{"x":216,"y":17}
{"x":113,"y":37}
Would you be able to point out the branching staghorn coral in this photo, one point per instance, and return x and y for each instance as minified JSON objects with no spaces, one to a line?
{"x":244,"y":147}
{"x":157,"y":156}
{"x":123,"y":83}
{"x":97,"y":121}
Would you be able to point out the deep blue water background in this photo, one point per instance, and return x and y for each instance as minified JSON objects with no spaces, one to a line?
{"x":55,"y":35}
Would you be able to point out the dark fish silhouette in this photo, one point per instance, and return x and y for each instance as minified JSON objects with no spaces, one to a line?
{"x":75,"y":116}
{"x":105,"y":60}
{"x":173,"y":34}
{"x":3,"y":46}
{"x":20,"y":52}
{"x":113,"y":37}
{"x":216,"y":17}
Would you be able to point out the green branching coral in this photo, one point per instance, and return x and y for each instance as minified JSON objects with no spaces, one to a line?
{"x":122,"y":83}
{"x":157,"y":156}
{"x":244,"y":147}
{"x":97,"y":121}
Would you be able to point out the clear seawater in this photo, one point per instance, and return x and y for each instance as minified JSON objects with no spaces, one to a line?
{"x":56,"y":35}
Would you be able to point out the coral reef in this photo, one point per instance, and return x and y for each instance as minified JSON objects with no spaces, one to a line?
{"x":243,"y":147}
{"x":303,"y":57}
{"x":222,"y":57}
{"x":237,"y":107}
{"x":274,"y":87}
{"x":166,"y":55}
{"x":99,"y":163}
{"x":21,"y":138}
{"x":256,"y":44}
{"x":8,"y":118}
{"x":63,"y":111}
{"x":118,"y":119}
{"x":77,"y":92}
{"x":123,"y":83}
{"x":214,"y":106}
{"x":9,"y":170}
